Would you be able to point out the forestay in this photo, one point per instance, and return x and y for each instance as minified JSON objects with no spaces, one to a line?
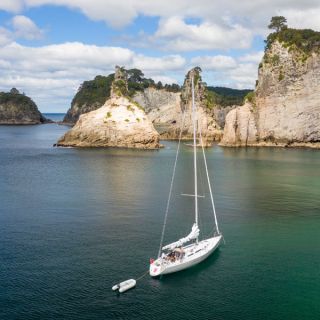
{"x":194,"y":234}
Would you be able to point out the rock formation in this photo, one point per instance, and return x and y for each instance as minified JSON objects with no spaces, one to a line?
{"x":162,"y":103}
{"x":120,"y":122}
{"x":90,"y":96}
{"x":285,"y":108}
{"x":165,"y":109}
{"x":16,"y":108}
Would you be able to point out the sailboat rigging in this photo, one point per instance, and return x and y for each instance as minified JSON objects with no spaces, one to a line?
{"x":189,"y":250}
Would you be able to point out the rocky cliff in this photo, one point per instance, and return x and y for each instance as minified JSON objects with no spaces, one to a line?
{"x":93,"y":94}
{"x":17,"y":108}
{"x":120,"y":122}
{"x":165,"y":109}
{"x":90,"y":96}
{"x":285,"y":108}
{"x":162,"y":103}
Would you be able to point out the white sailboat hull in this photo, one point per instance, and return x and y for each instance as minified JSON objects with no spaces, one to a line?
{"x":194,"y":254}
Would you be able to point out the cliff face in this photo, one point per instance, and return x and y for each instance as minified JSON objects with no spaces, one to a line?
{"x":162,"y":107}
{"x":16,"y":108}
{"x":165,"y":110}
{"x":286,"y":108}
{"x":120,"y":122}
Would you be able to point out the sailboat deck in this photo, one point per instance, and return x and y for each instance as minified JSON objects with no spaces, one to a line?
{"x":193,"y":254}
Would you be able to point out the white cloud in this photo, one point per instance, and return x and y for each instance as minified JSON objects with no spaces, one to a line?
{"x":5,"y":36}
{"x":163,"y":79}
{"x":22,"y":27}
{"x":25,"y":28}
{"x":171,"y":62}
{"x":214,"y":63}
{"x":240,"y":72}
{"x":11,"y":5}
{"x":249,"y":14}
{"x":223,"y":25}
{"x":252,"y":57}
{"x":176,"y":34}
{"x":244,"y":75}
{"x":51,"y":74}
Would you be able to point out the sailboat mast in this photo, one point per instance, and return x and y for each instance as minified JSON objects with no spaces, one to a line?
{"x":195,"y":152}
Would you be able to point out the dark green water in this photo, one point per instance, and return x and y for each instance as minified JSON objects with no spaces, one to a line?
{"x":74,"y":222}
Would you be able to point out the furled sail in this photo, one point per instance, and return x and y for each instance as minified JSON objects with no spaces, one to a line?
{"x":194,"y":234}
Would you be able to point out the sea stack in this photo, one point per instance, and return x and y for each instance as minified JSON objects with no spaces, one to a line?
{"x":120,"y":122}
{"x":284,"y":110}
{"x":18,"y":109}
{"x":170,"y":116}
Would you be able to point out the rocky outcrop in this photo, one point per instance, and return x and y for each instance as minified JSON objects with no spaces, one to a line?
{"x":240,"y":129}
{"x":17,"y":108}
{"x":120,"y":122}
{"x":162,"y":107}
{"x":285,"y":109}
{"x":169,"y":126}
{"x":77,"y":109}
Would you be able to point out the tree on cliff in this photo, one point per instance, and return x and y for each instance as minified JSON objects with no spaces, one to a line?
{"x":14,"y":91}
{"x":278,"y":23}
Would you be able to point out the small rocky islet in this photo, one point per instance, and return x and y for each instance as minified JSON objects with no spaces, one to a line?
{"x":18,"y":109}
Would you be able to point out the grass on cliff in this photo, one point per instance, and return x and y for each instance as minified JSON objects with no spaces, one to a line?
{"x":306,"y":40}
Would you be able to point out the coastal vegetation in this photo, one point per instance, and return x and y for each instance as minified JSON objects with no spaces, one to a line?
{"x":17,"y":98}
{"x":303,"y":40}
{"x":223,"y":96}
{"x":98,"y":90}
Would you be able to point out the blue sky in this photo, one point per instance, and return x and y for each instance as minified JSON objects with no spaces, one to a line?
{"x":49,"y":47}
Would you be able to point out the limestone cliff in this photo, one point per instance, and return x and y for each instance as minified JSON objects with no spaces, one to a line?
{"x":165,"y":109}
{"x":17,"y":108}
{"x":285,"y":109}
{"x":120,"y":122}
{"x":94,"y":93}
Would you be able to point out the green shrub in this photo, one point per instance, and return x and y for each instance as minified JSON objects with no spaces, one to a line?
{"x":275,"y":59}
{"x":94,"y":91}
{"x":281,"y":75}
{"x":130,"y":108}
{"x":227,"y":96}
{"x":305,"y":40}
{"x":250,"y":97}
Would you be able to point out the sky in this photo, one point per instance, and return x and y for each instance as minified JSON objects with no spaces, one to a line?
{"x":49,"y":47}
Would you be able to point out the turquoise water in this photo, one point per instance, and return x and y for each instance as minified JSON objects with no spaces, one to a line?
{"x":73,"y":222}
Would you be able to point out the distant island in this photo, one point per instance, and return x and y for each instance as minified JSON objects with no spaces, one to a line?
{"x":17,"y":108}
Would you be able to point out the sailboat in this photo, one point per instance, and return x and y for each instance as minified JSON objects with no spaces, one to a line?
{"x":189,"y":250}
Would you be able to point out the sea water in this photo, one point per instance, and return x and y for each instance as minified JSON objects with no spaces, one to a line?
{"x":73,"y":222}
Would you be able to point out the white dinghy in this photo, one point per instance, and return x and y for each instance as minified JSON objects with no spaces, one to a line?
{"x":125,"y":285}
{"x":187,"y":251}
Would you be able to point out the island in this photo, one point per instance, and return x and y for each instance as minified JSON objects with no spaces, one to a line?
{"x":18,"y":109}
